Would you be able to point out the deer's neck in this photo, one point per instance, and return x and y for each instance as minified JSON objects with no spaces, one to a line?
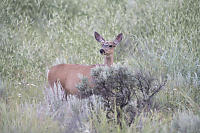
{"x":108,"y":60}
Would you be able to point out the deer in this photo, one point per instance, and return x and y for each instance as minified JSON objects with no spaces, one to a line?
{"x":68,"y":75}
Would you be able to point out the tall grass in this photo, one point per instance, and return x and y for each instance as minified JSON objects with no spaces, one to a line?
{"x":160,"y":36}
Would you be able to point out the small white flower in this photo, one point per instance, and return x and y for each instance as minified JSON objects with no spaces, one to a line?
{"x":19,"y":95}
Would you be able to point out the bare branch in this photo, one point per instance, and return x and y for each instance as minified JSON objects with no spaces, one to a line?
{"x":156,"y":91}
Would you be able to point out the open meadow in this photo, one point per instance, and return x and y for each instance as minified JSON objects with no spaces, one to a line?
{"x":160,"y":37}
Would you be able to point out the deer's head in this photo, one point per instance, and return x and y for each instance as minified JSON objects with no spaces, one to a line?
{"x":108,"y":47}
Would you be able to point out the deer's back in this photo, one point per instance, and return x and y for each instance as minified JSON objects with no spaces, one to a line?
{"x":69,"y":76}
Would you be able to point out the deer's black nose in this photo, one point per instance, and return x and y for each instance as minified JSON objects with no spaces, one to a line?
{"x":102,"y":51}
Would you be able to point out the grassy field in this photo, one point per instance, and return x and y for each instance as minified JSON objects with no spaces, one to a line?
{"x":160,"y":36}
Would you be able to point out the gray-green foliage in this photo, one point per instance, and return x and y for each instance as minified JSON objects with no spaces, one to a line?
{"x":117,"y":81}
{"x":119,"y":86}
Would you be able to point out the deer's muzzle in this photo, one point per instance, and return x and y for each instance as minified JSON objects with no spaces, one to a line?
{"x":102,"y":51}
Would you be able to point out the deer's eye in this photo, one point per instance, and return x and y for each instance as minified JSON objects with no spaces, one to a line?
{"x":110,"y":46}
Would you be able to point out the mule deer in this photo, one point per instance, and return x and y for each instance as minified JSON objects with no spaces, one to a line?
{"x":68,"y":74}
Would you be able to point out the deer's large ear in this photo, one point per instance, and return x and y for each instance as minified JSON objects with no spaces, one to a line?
{"x":118,"y":39}
{"x":98,"y":37}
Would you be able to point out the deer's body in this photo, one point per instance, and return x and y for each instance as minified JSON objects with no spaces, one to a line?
{"x":69,"y":74}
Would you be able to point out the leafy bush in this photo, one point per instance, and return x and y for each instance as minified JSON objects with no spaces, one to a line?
{"x":119,"y":86}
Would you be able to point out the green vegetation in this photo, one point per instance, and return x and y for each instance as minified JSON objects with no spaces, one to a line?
{"x":160,"y":36}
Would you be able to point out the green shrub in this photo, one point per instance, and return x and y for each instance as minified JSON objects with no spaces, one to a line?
{"x":119,"y":87}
